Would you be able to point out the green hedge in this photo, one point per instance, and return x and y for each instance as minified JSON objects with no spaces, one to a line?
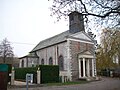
{"x":20,"y":73}
{"x":49,"y":73}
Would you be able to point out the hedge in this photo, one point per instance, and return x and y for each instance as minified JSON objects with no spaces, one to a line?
{"x":20,"y":73}
{"x":49,"y":73}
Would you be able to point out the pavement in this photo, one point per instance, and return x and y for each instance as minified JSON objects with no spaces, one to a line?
{"x":104,"y":84}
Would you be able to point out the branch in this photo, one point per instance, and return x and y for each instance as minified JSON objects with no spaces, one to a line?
{"x":102,"y":16}
{"x":101,"y":5}
{"x":113,"y":10}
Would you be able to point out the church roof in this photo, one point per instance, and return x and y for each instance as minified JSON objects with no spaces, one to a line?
{"x":52,"y":41}
{"x":62,"y":37}
{"x":30,"y":55}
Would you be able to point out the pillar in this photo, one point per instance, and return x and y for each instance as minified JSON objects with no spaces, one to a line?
{"x":12,"y":76}
{"x":79,"y":68}
{"x":93,"y":68}
{"x":88,"y":68}
{"x":38,"y":76}
{"x":95,"y":73}
{"x":84,"y":67}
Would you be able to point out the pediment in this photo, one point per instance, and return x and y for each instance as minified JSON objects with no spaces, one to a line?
{"x":82,"y":35}
{"x":86,"y":54}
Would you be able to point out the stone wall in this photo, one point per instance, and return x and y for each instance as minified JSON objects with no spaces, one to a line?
{"x":54,"y":51}
{"x":28,"y":62}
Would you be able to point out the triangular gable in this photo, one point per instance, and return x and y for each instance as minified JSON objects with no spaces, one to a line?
{"x":86,"y":54}
{"x":82,"y":35}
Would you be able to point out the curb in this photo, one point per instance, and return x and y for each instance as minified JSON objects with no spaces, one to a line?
{"x":24,"y":86}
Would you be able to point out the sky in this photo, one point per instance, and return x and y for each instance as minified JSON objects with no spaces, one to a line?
{"x":27,"y":22}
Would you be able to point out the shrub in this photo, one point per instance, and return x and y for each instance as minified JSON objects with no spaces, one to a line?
{"x":20,"y":73}
{"x":49,"y":73}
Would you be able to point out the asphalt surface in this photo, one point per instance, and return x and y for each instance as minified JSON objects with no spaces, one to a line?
{"x":104,"y":84}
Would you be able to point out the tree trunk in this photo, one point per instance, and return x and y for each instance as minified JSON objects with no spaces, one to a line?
{"x":4,"y":59}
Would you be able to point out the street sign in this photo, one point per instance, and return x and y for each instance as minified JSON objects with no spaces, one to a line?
{"x":29,"y":78}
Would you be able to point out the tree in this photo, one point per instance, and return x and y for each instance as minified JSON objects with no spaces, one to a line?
{"x":115,"y":43}
{"x":6,"y":51}
{"x":104,"y":11}
{"x":110,"y":46}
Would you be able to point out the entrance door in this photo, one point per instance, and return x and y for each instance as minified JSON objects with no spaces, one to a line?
{"x":81,"y":68}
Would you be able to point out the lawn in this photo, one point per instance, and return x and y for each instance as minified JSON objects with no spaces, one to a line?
{"x":67,"y":83}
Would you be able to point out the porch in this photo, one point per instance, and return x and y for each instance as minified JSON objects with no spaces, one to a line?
{"x":87,"y":65}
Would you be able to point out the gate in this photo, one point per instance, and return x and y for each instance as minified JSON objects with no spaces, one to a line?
{"x":3,"y":76}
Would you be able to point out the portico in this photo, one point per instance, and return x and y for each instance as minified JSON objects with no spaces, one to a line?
{"x":87,"y":66}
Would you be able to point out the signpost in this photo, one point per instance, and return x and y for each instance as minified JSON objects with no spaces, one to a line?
{"x":29,"y":78}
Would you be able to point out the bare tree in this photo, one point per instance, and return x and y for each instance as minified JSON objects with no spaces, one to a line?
{"x":104,"y":11}
{"x":6,"y":51}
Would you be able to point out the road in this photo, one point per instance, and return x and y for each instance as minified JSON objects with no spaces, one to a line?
{"x":104,"y":84}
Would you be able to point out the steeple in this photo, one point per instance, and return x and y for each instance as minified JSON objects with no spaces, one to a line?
{"x":76,"y":22}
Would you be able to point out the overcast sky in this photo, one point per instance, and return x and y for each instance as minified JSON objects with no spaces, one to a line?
{"x":26,"y":22}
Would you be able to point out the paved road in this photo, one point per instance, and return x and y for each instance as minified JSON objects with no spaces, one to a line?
{"x":104,"y":84}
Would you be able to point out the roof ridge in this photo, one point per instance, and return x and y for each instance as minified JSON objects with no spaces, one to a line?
{"x":51,"y":38}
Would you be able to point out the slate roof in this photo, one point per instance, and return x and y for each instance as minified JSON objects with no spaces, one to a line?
{"x":52,"y":41}
{"x":55,"y":40}
{"x":30,"y":55}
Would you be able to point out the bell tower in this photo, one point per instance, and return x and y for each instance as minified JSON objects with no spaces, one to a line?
{"x":76,"y":22}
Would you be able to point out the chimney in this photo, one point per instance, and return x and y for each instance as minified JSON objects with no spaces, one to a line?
{"x":76,"y":22}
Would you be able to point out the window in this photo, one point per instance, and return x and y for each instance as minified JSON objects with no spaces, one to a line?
{"x":61,"y":62}
{"x":50,"y":61}
{"x":42,"y":62}
{"x":22,"y":64}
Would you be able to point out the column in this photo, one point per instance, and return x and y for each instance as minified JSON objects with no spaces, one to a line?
{"x":95,"y":73}
{"x":12,"y":76}
{"x":79,"y":61}
{"x":93,"y":68}
{"x":38,"y":76}
{"x":83,"y":67}
{"x":88,"y":68}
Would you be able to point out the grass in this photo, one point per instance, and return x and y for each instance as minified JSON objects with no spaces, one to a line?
{"x":67,"y":83}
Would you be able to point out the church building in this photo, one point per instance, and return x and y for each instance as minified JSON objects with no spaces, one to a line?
{"x":73,"y":50}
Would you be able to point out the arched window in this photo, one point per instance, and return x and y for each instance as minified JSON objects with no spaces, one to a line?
{"x":22,"y":64}
{"x":42,"y":62}
{"x":61,"y":62}
{"x":50,"y":61}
